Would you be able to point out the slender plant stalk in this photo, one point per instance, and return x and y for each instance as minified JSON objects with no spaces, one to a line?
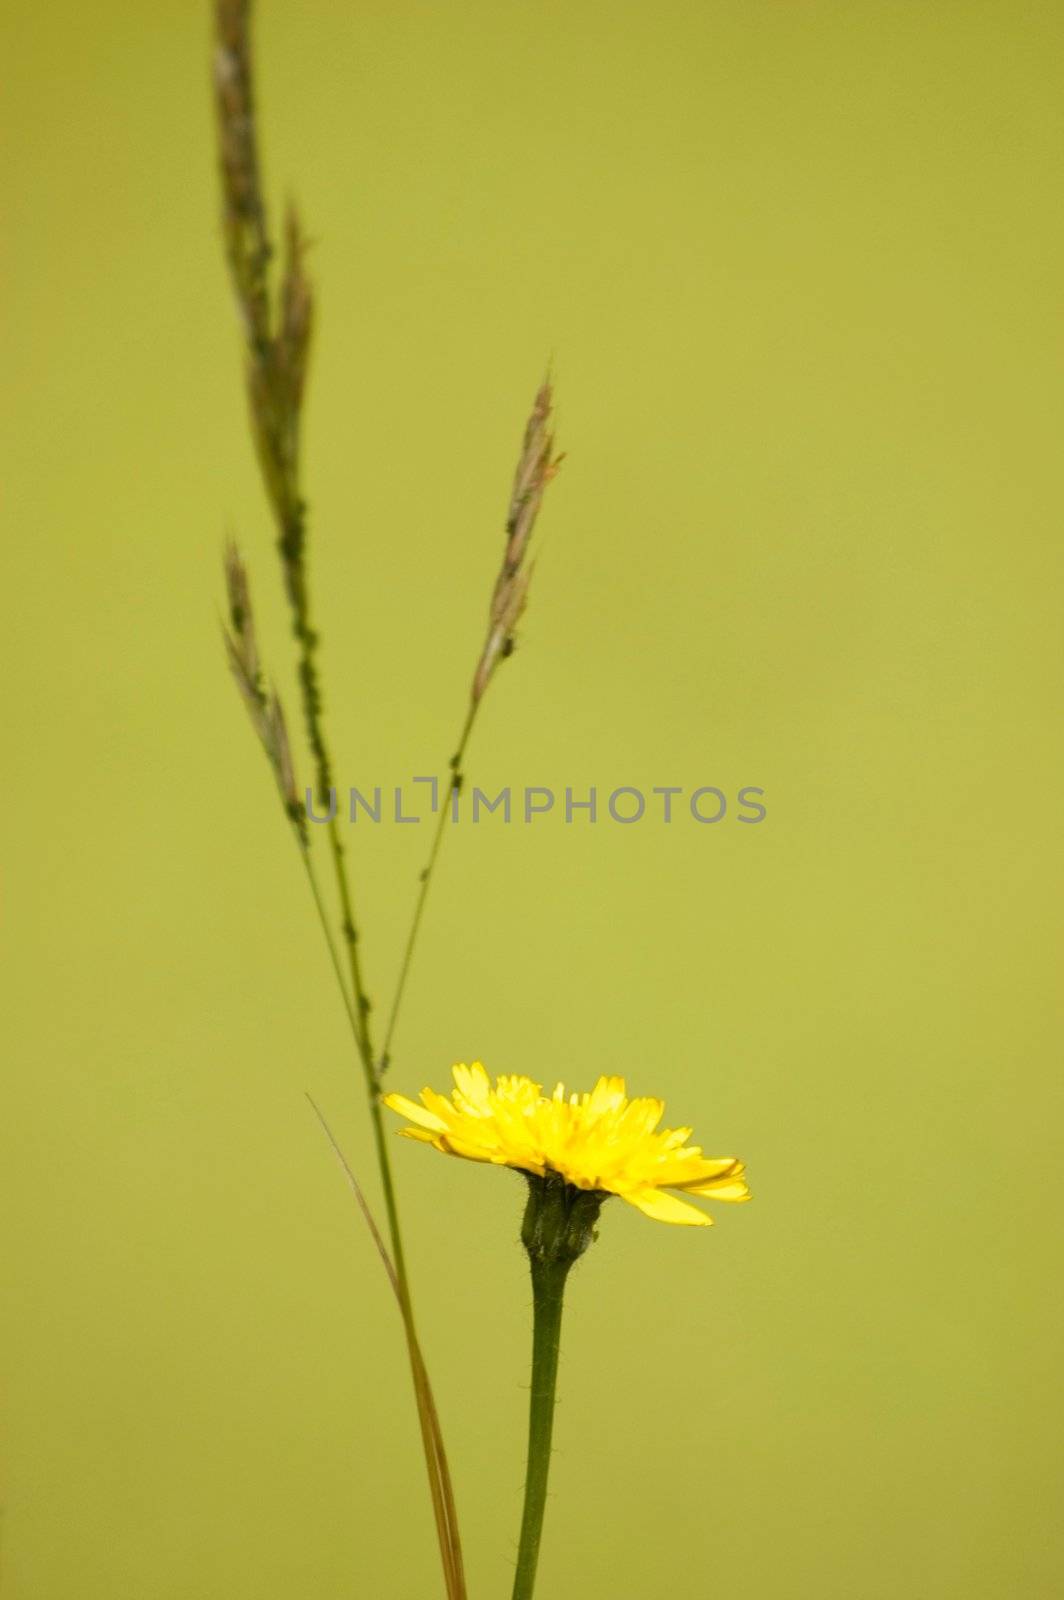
{"x":277,"y":349}
{"x":327,"y":933}
{"x":382,"y":1248}
{"x":268,"y":721}
{"x":559,"y":1225}
{"x":454,"y":785}
{"x":440,"y":1487}
{"x":548,"y":1294}
{"x":536,"y":466}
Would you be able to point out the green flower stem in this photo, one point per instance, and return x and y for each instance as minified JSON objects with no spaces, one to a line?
{"x":558,"y":1227}
{"x":548,"y":1290}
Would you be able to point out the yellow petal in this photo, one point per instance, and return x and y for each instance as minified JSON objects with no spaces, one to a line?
{"x":645,"y":1114}
{"x":731,"y":1185}
{"x":736,"y":1190}
{"x":667,"y":1207}
{"x":473,"y":1085}
{"x":415,"y":1113}
{"x":607,"y":1095}
{"x":708,"y":1171}
{"x":438,"y":1105}
{"x":457,"y":1146}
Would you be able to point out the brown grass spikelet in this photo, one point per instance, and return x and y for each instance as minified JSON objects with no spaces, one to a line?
{"x":277,"y":326}
{"x":265,"y":710}
{"x":537,"y":466}
{"x":243,"y":213}
{"x":295,"y":315}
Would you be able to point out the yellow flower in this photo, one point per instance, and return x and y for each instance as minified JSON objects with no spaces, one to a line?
{"x":600,"y":1141}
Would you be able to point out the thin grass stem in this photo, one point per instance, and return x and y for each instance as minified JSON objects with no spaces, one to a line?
{"x":425,"y":883}
{"x":277,"y":339}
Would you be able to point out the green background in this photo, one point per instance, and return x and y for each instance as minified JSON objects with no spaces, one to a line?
{"x":798,"y":266}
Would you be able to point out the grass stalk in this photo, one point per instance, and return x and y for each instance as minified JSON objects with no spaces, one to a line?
{"x":536,"y":466}
{"x":454,"y":785}
{"x":277,"y":343}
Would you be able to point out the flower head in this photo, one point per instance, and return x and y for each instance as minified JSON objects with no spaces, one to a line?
{"x":600,"y":1141}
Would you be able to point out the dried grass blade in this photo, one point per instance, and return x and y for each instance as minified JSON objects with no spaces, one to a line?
{"x":439,"y":1472}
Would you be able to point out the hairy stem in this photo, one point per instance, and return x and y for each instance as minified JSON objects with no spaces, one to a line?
{"x":548,"y":1291}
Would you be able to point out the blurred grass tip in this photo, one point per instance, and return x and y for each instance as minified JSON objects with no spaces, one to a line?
{"x":265,"y":710}
{"x":537,"y":466}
